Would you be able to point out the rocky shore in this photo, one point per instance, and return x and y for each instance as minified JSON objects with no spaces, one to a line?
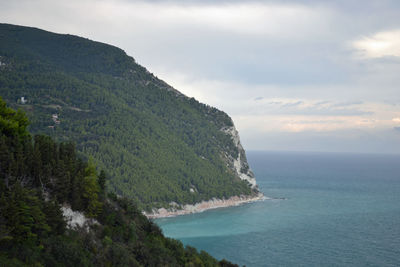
{"x":204,"y":205}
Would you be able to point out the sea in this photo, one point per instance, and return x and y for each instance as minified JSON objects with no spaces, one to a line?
{"x":325,"y":209}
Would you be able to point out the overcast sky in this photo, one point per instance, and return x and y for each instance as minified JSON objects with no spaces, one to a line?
{"x":294,"y":75}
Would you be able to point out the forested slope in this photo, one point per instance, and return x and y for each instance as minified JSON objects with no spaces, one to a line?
{"x":156,"y":145}
{"x":39,"y":177}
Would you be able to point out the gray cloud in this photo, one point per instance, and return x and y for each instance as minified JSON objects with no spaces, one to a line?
{"x":335,"y":141}
{"x":322,"y":108}
{"x":320,"y":122}
{"x":335,"y":112}
{"x":346,"y":104}
{"x":321,"y":103}
{"x":295,"y":104}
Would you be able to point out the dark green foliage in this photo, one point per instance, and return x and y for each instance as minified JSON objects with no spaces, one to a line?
{"x":155,"y":143}
{"x":36,"y":174}
{"x":90,"y":191}
{"x":102,"y":181}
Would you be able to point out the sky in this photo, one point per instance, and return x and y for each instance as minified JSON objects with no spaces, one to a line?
{"x":302,"y":75}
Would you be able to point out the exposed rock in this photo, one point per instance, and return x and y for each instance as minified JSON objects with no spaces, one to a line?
{"x":76,"y":219}
{"x":239,"y":165}
{"x":2,"y":64}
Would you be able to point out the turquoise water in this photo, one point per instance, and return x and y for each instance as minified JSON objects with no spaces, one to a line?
{"x":327,"y":210}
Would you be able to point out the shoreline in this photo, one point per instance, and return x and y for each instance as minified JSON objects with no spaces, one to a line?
{"x":204,"y":205}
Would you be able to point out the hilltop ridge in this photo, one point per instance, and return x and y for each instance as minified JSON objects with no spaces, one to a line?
{"x":159,"y":147}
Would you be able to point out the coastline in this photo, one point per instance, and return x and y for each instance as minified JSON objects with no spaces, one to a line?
{"x":204,"y":205}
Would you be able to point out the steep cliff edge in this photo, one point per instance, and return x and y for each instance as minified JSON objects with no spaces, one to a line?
{"x":239,"y":164}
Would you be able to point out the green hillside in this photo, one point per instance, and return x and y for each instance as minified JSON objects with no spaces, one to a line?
{"x":36,"y":175}
{"x":156,"y":145}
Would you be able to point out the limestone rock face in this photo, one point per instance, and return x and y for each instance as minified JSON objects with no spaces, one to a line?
{"x":239,"y":163}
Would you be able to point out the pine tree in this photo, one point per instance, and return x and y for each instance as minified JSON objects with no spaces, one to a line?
{"x":102,"y":181}
{"x":91,"y":190}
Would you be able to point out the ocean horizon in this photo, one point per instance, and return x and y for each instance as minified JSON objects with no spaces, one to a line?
{"x":326,"y":209}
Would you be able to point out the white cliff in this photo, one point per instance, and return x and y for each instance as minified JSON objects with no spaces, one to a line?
{"x":239,"y":164}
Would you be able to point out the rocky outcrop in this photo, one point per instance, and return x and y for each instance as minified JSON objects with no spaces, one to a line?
{"x":76,"y":219}
{"x":2,"y":63}
{"x":239,"y":163}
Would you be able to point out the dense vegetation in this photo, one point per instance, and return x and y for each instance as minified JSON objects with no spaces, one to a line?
{"x":37,"y":176}
{"x":156,"y":144}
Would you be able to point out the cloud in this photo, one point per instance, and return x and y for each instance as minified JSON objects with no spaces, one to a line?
{"x":346,"y":104}
{"x":311,"y":107}
{"x":350,"y":140}
{"x":266,"y":123}
{"x":251,"y":18}
{"x":256,"y":42}
{"x":396,"y":119}
{"x":320,"y":103}
{"x":292,"y":104}
{"x":237,"y":17}
{"x":381,"y":44}
{"x":396,"y":129}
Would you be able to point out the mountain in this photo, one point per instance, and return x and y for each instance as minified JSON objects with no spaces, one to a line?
{"x":158,"y":146}
{"x":54,"y":210}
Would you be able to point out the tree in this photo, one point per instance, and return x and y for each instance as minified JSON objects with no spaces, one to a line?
{"x":12,"y":123}
{"x":102,"y":181}
{"x":91,"y":190}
